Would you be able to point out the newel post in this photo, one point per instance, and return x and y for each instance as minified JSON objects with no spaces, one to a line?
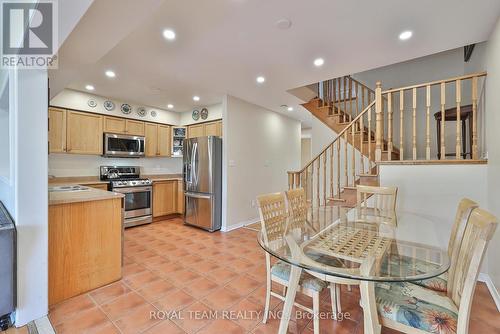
{"x":379,"y":126}
{"x":291,"y":180}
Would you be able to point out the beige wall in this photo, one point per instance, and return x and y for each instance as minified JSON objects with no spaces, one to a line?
{"x":305,"y":151}
{"x":259,"y":146}
{"x":493,"y":139}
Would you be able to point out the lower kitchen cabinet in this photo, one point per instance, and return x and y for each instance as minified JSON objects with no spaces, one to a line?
{"x":101,"y":186}
{"x":164,"y":197}
{"x":180,"y":196}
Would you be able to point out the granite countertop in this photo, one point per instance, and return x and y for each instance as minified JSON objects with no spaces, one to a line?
{"x":90,"y":194}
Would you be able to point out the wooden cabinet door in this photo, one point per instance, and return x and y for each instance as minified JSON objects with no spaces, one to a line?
{"x":164,"y":198}
{"x":151,"y":132}
{"x":114,"y":124}
{"x":196,"y":130}
{"x":213,"y":129}
{"x":164,"y":141}
{"x":84,"y":133}
{"x":135,"y":127}
{"x":219,"y":128}
{"x":57,"y":130}
{"x":180,"y":196}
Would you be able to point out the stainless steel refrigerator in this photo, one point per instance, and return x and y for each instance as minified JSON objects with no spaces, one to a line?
{"x":203,"y":182}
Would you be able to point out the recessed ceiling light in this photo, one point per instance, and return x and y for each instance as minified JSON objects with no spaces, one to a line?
{"x":169,"y":34}
{"x":89,"y":87}
{"x":261,"y":79}
{"x":405,"y":35}
{"x":196,"y":98}
{"x":319,"y":62}
{"x":289,"y":108}
{"x":110,"y":74}
{"x":170,"y":106}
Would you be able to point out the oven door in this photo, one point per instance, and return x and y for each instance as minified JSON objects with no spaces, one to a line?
{"x":137,"y":201}
{"x":123,"y":145}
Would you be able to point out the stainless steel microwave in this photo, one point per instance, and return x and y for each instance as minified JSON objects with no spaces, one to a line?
{"x":125,"y":146}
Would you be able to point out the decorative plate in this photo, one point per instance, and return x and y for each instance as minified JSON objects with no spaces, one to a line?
{"x":204,"y":113}
{"x":196,"y":114}
{"x":92,"y":103}
{"x":141,"y":111}
{"x":153,"y":113}
{"x":109,"y":105}
{"x":126,"y":108}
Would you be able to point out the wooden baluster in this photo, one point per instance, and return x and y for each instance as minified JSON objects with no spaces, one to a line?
{"x":346,"y":117}
{"x":338,"y":168}
{"x":379,"y":122}
{"x":324,"y":178}
{"x":428,"y":123}
{"x":331,"y":172}
{"x":443,"y":106}
{"x":369,"y":136}
{"x":350,"y":98}
{"x":306,"y":182}
{"x":401,"y":124}
{"x":297,"y":180}
{"x":414,"y":136}
{"x":318,"y":161}
{"x":357,"y":98}
{"x":290,"y":180}
{"x":339,"y":84}
{"x":353,"y":152}
{"x":362,"y":130}
{"x":346,"y":174}
{"x":474,"y":119}
{"x":334,"y":90}
{"x":389,"y":126}
{"x":458,"y":146}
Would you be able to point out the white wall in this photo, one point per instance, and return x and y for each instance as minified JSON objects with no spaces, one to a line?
{"x":77,"y":100}
{"x":305,"y":151}
{"x":493,"y":138}
{"x":438,"y":66}
{"x":214,"y":113}
{"x":62,"y":165}
{"x":260,"y":146}
{"x":25,"y":192}
{"x":432,"y":193}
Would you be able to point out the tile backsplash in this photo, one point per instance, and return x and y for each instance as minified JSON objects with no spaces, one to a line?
{"x":64,"y":165}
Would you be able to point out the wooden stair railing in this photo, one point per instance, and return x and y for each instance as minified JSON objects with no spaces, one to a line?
{"x":401,"y":111}
{"x":341,"y":165}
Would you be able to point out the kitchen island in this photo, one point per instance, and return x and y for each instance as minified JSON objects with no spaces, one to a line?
{"x":85,"y":240}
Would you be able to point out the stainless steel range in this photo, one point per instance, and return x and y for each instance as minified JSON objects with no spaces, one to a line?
{"x":138,"y":192}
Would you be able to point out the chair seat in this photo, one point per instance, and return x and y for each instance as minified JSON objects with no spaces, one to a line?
{"x":307,"y":281}
{"x":417,"y":307}
{"x":438,"y":283}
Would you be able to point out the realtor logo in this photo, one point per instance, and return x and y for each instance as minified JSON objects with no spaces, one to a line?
{"x":29,"y":34}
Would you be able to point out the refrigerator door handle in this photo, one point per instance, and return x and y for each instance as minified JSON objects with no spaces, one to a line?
{"x":193,"y":195}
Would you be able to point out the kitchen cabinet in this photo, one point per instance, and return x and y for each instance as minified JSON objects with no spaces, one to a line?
{"x":180,"y":197}
{"x":57,"y":130}
{"x":158,"y":140}
{"x":164,"y":197}
{"x":100,"y":186}
{"x":123,"y":126}
{"x":205,"y":129}
{"x":83,"y":133}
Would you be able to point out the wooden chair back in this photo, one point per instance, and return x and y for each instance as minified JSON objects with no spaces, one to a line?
{"x":273,"y":216}
{"x":297,"y":208}
{"x":383,"y":199}
{"x":462,"y":276}
{"x":465,"y":207}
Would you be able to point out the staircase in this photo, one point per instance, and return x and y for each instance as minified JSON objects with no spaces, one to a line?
{"x":366,"y":122}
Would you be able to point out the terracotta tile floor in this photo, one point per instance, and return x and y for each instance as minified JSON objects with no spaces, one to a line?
{"x":172,"y":267}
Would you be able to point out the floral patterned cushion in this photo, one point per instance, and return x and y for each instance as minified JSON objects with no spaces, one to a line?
{"x":437,"y":283}
{"x":282,"y":271}
{"x":417,"y":307}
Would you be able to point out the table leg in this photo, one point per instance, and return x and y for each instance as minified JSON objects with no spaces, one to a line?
{"x":293,"y":284}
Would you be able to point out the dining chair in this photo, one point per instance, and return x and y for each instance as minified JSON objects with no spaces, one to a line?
{"x":465,"y":207}
{"x":274,"y":218}
{"x":414,"y":309}
{"x":376,"y":204}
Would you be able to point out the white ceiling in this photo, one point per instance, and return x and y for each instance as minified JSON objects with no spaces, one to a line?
{"x":223,"y":45}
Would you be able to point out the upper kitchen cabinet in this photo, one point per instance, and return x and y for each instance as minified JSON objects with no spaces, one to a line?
{"x":124,"y":126}
{"x":84,"y":133}
{"x":57,"y":130}
{"x":205,"y":129}
{"x":158,"y":140}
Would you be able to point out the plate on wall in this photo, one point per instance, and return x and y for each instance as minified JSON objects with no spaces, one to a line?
{"x":196,"y":114}
{"x":126,"y":108}
{"x":141,"y":111}
{"x":204,"y":113}
{"x":153,"y":113}
{"x":92,"y":103}
{"x":109,"y":105}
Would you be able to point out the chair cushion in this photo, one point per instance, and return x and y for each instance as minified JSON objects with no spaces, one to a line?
{"x":417,"y":307}
{"x":282,"y":271}
{"x":438,"y":283}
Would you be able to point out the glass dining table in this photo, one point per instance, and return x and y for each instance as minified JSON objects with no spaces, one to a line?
{"x":334,"y":245}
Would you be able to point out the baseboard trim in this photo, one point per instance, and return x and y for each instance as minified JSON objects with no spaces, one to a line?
{"x":485,"y":278}
{"x":241,"y":224}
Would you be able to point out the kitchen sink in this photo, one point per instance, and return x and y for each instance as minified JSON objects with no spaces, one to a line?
{"x":68,"y":188}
